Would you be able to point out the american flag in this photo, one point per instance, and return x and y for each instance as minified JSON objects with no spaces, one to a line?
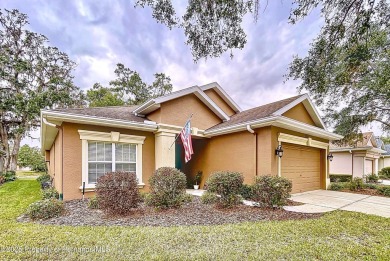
{"x":185,"y":136}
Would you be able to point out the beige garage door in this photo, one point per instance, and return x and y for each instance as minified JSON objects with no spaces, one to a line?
{"x":302,"y":165}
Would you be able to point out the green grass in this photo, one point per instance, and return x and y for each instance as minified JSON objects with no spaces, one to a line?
{"x":27,"y":174}
{"x":337,"y":235}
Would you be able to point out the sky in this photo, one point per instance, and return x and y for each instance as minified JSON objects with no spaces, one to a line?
{"x":99,"y":34}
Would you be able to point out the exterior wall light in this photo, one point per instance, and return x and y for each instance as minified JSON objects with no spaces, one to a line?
{"x":330,"y":156}
{"x":279,"y":151}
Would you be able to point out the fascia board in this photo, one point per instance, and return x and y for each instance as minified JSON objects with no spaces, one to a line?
{"x":98,"y":121}
{"x":224,"y":95}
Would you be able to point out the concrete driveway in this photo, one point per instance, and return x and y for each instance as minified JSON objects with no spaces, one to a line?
{"x":319,"y":201}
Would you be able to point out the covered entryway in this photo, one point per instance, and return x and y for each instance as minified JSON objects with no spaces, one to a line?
{"x":302,"y":165}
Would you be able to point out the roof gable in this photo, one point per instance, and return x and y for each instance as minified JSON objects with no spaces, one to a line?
{"x":154,"y":104}
{"x":309,"y":106}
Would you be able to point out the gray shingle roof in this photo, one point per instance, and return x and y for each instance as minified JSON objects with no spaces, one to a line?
{"x":387,"y":148}
{"x":112,"y":112}
{"x":255,"y":113}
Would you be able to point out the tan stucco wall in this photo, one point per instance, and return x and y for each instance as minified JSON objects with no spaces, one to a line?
{"x":358,"y":167}
{"x":177,"y":111}
{"x":55,"y":164}
{"x":214,"y":96}
{"x":233,"y":152}
{"x":73,"y":155}
{"x":299,"y":113}
{"x":341,"y":163}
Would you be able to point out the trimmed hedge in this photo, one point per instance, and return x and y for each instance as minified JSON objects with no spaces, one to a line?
{"x":340,"y":178}
{"x":45,"y":209}
{"x":336,"y":186}
{"x":50,"y":193}
{"x":168,"y":188}
{"x":117,"y":192}
{"x":226,"y":184}
{"x":385,"y":173}
{"x":384,"y":190}
{"x":271,"y":191}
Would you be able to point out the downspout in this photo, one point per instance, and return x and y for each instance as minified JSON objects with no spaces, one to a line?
{"x":248,"y":127}
{"x":61,"y":196}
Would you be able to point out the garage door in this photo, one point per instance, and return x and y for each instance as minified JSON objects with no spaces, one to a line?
{"x":368,"y":167}
{"x":302,"y":166}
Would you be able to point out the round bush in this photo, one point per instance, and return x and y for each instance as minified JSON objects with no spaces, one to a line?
{"x":44,"y":178}
{"x":209,"y":198}
{"x":384,"y":190}
{"x":271,"y":191}
{"x":226,"y":184}
{"x":168,"y":186}
{"x":117,"y":192}
{"x":45,"y":209}
{"x":50,"y":193}
{"x":246,"y":191}
{"x":372,"y":178}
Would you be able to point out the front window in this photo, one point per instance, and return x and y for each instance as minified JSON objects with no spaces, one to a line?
{"x":101,"y":158}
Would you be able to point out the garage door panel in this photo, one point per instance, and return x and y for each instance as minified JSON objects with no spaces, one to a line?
{"x":302,"y":165}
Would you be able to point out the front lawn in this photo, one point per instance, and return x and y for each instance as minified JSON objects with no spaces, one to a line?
{"x":28,"y":174}
{"x":336,"y":235}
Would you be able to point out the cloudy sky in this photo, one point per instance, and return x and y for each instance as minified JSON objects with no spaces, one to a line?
{"x":99,"y":34}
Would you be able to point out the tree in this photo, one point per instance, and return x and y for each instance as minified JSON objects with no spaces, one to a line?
{"x":386,"y":140}
{"x":211,"y":27}
{"x":347,"y":69}
{"x":32,"y":158}
{"x":33,"y":76}
{"x":128,"y":89}
{"x":100,"y":96}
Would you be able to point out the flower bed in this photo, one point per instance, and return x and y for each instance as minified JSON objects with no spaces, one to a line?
{"x":192,"y":213}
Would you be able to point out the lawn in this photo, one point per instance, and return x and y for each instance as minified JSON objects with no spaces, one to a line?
{"x":27,"y":174}
{"x":337,"y":235}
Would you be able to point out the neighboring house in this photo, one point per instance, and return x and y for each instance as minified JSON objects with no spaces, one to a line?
{"x":384,"y":160}
{"x":82,"y":144}
{"x":358,"y":160}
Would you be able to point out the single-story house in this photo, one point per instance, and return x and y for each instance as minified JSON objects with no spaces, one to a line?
{"x":384,"y":159}
{"x":82,"y":144}
{"x":359,"y":159}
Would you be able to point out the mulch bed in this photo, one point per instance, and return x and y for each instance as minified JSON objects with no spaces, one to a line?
{"x":194,"y":213}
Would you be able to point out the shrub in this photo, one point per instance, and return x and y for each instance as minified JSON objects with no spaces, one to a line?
{"x":9,"y":175}
{"x":117,"y":192}
{"x":336,"y":186}
{"x":227,"y":185}
{"x":385,"y":173}
{"x":187,"y":198}
{"x":246,"y":191}
{"x":50,"y":193}
{"x":340,"y":178}
{"x":209,"y":198}
{"x":44,"y":209}
{"x":271,"y":191}
{"x":44,"y":178}
{"x":370,"y":186}
{"x":356,"y":184}
{"x":168,"y":185}
{"x":93,"y":203}
{"x":384,"y":190}
{"x":2,"y":180}
{"x":372,"y":178}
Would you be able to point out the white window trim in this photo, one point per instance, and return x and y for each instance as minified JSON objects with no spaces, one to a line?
{"x":113,"y":137}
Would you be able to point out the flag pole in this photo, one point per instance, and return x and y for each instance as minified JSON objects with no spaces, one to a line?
{"x":180,"y":131}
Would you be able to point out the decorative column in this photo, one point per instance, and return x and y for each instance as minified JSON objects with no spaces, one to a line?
{"x":164,"y":150}
{"x":376,"y":166}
